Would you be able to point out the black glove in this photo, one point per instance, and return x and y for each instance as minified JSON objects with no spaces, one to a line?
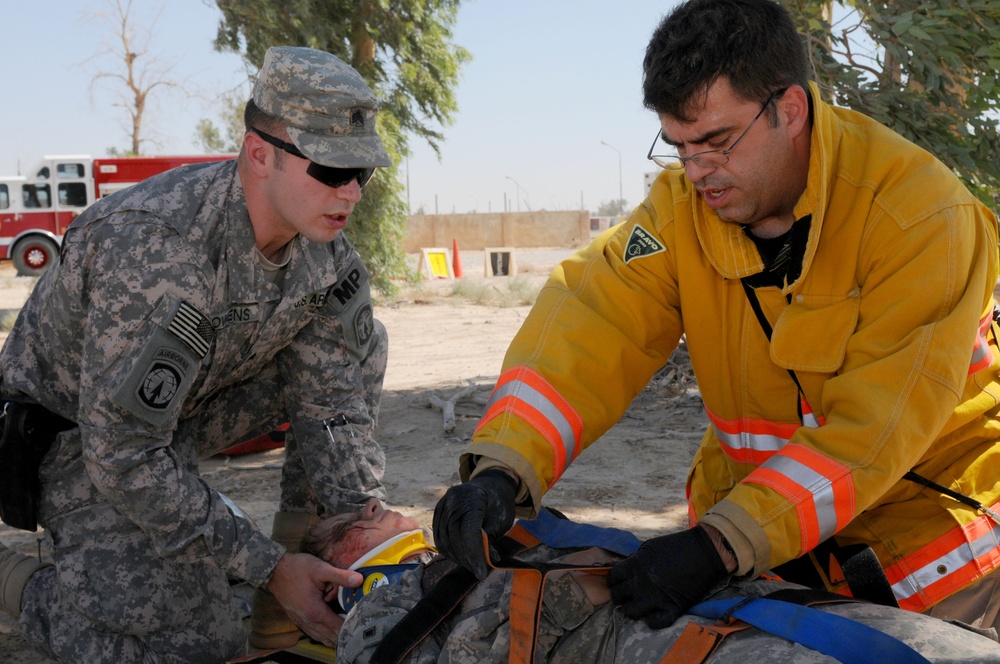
{"x":666,"y":576}
{"x":484,"y":503}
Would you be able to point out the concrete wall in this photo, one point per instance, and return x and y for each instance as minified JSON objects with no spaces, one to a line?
{"x":499,"y":229}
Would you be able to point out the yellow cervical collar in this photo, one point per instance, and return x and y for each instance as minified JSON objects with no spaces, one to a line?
{"x":395,"y":550}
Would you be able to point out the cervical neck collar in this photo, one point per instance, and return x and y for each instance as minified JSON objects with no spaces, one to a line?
{"x":383,"y":565}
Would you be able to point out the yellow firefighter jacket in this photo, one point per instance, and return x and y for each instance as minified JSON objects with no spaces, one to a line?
{"x":888,"y":329}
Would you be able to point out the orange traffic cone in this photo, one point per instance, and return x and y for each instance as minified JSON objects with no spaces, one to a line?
{"x":456,"y":260}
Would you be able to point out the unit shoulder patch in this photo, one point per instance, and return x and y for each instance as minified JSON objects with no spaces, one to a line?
{"x":160,"y":378}
{"x":364,"y":325}
{"x":642,"y":243}
{"x":163,"y":378}
{"x":349,"y":300}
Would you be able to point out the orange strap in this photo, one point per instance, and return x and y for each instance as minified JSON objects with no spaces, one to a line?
{"x":697,"y":642}
{"x":527,"y":590}
{"x":522,"y":536}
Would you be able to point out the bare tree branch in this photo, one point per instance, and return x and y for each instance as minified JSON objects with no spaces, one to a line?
{"x":135,"y":73}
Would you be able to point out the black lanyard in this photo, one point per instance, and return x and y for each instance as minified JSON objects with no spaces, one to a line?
{"x":910,"y":475}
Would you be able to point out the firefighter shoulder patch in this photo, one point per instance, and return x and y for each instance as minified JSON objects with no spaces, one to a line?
{"x":642,"y":243}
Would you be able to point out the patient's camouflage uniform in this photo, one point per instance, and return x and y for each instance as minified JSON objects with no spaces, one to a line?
{"x":573,"y":631}
{"x":159,"y":334}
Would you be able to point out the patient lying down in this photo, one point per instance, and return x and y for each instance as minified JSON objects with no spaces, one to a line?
{"x":578,"y":623}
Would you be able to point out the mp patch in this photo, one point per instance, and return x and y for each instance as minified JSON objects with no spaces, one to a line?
{"x":352,"y":287}
{"x":349,"y":300}
{"x":641,"y":243}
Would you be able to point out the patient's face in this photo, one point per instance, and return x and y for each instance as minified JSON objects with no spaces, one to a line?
{"x":344,"y":538}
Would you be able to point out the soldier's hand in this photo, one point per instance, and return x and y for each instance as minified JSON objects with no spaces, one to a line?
{"x":484,"y":503}
{"x":299,"y":583}
{"x":666,"y":576}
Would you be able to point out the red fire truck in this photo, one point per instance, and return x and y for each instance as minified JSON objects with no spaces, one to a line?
{"x":36,"y":209}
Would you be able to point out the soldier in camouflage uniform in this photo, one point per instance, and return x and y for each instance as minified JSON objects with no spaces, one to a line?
{"x":578,"y":623}
{"x":189,"y":313}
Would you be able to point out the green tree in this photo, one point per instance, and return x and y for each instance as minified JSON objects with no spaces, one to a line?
{"x":929,"y":69}
{"x":613,"y":208}
{"x":209,"y":136}
{"x":403,"y":50}
{"x":228,"y":139}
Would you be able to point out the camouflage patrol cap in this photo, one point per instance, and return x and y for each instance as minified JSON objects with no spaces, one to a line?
{"x":327,"y":108}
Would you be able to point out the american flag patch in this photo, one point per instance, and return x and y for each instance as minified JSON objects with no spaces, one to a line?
{"x":194,"y":329}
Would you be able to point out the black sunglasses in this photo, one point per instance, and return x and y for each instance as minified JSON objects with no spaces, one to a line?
{"x":328,"y":175}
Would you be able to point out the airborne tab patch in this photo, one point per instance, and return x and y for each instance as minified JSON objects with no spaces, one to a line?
{"x":642,"y":243}
{"x":163,"y":370}
{"x":193,"y":328}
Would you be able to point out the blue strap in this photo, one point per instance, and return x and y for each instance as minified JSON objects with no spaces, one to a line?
{"x":565,"y":534}
{"x":846,"y":640}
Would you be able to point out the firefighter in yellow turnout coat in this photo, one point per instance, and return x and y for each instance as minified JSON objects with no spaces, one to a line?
{"x":882,"y":355}
{"x":887,"y":330}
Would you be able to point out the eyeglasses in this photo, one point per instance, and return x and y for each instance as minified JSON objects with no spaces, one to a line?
{"x":708,"y":158}
{"x":328,"y":175}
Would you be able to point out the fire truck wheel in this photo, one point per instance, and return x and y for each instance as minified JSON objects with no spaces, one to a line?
{"x":33,"y":255}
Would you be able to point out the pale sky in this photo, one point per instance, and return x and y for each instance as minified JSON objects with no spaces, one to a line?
{"x":548,"y":82}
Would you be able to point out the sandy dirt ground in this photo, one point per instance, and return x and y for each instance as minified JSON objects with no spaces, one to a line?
{"x":441,"y":344}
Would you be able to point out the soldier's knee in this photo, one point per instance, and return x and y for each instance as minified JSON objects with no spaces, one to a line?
{"x":221,"y":641}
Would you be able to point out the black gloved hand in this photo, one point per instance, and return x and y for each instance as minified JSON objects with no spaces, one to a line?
{"x":484,"y":503}
{"x":666,"y":576}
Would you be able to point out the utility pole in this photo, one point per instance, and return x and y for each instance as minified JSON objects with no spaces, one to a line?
{"x":621,"y":198}
{"x":527,"y":200}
